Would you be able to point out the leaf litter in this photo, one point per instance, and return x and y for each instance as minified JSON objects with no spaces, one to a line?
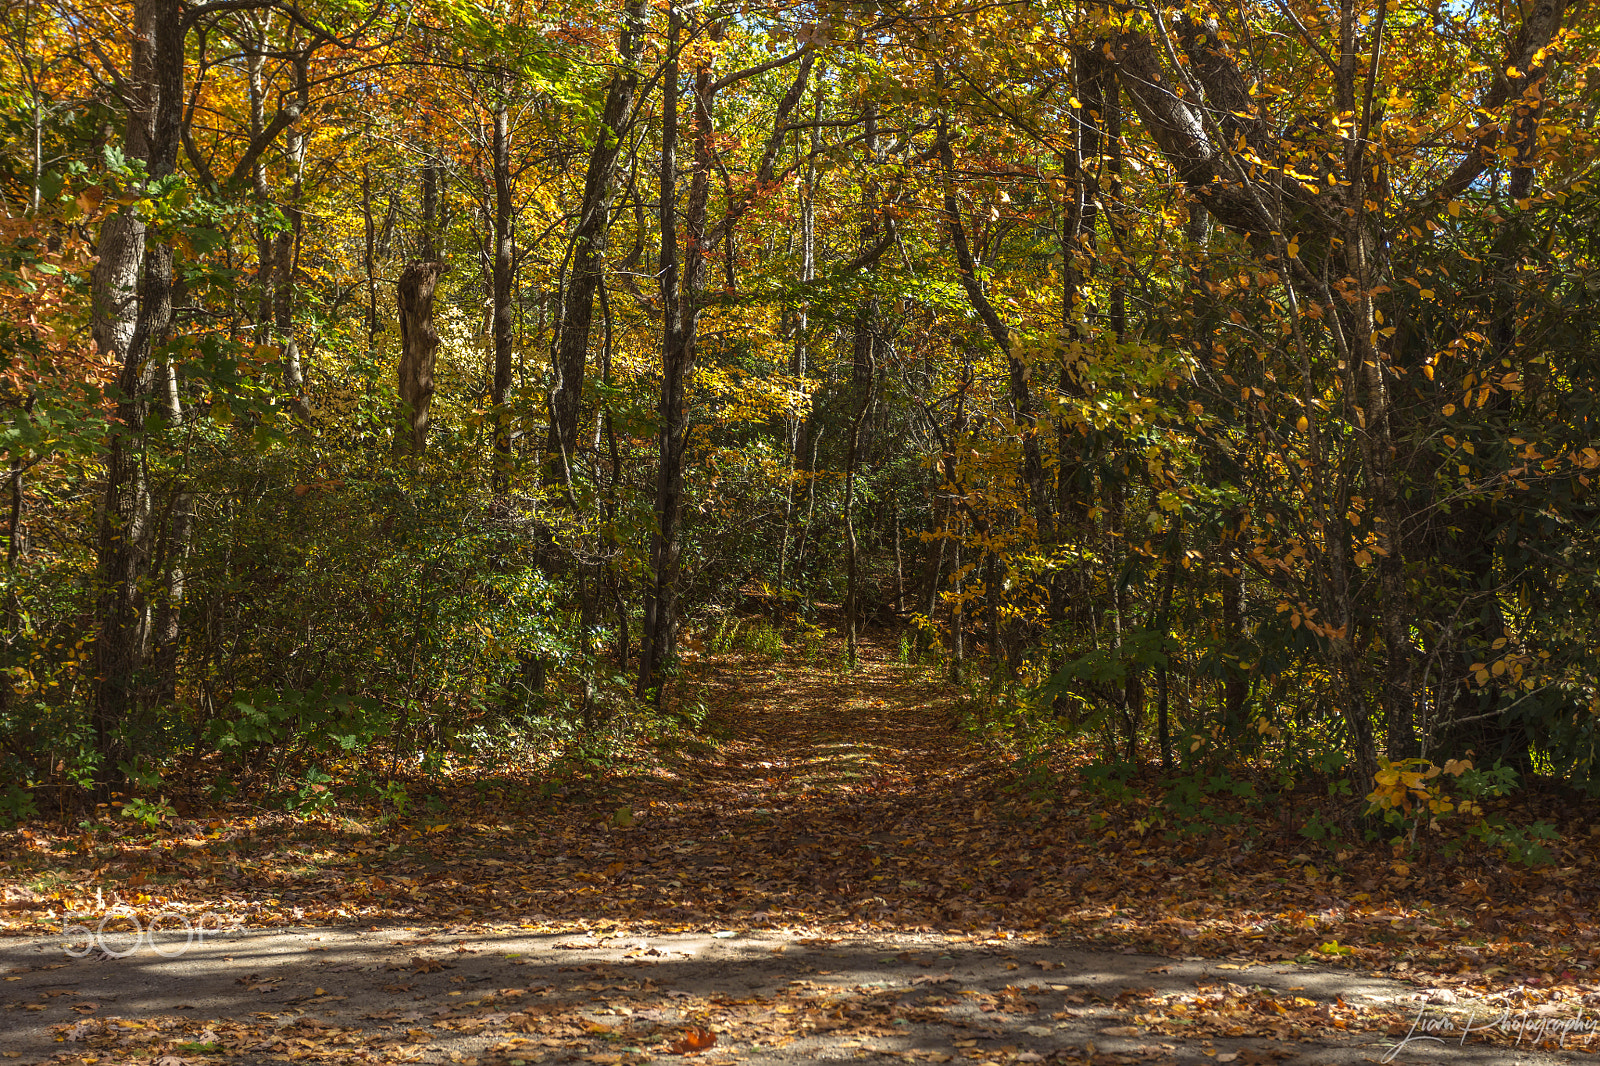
{"x":842,"y":806}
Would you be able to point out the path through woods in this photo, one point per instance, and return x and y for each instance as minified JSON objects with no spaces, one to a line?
{"x":844,"y":874}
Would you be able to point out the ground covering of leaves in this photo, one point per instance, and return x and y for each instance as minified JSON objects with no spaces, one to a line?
{"x":848,"y":805}
{"x":617,"y":1000}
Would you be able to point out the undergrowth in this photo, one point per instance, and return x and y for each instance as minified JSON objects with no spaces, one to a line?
{"x":1264,"y":777}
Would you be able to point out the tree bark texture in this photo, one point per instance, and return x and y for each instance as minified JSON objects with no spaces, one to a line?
{"x":123,"y":542}
{"x":419,"y":346}
{"x":501,"y":327}
{"x":589,"y":253}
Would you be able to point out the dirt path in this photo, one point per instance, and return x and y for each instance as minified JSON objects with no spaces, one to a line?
{"x":838,"y":879}
{"x":421,"y":995}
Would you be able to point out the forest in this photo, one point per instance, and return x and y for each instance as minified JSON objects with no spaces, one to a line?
{"x":1203,"y":393}
{"x":916,"y":488}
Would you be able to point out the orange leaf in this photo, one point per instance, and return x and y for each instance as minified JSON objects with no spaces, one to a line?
{"x":693,"y":1042}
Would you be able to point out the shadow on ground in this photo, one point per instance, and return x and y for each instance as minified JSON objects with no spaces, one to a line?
{"x":426,"y":996}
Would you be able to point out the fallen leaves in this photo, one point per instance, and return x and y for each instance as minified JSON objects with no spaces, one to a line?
{"x":255,"y":983}
{"x":883,"y":821}
{"x":693,"y":1042}
{"x":419,"y":964}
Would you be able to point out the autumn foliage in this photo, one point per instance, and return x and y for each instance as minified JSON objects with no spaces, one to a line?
{"x":1209,"y":391}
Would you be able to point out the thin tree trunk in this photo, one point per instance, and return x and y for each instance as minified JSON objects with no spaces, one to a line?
{"x":502,"y":328}
{"x":958,"y":647}
{"x":1375,"y":424}
{"x":1019,"y":393}
{"x":932,"y":570}
{"x":815,"y":433}
{"x":369,"y":258}
{"x":797,"y":360}
{"x":991,"y":594}
{"x":14,"y":535}
{"x":1132,"y":694}
{"x":11,"y":638}
{"x":899,"y":561}
{"x":1235,"y":681}
{"x":428,"y":239}
{"x":288,"y":254}
{"x":676,"y":353}
{"x":167,"y":630}
{"x":266,"y":259}
{"x":589,"y":253}
{"x":852,"y":594}
{"x":1164,"y":626}
{"x":614,"y":489}
{"x":1079,"y":249}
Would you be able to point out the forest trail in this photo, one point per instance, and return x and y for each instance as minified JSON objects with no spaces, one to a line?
{"x":796,"y":728}
{"x":826,"y":798}
{"x":842,"y":875}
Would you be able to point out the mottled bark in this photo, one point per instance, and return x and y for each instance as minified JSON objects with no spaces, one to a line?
{"x":119,"y":249}
{"x":123,"y":542}
{"x":419,"y":345}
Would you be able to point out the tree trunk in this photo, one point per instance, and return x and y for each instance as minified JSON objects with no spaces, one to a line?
{"x":1020,"y":395}
{"x":428,"y":238}
{"x":589,"y":254}
{"x":255,"y":62}
{"x":502,"y":324}
{"x":119,"y":250}
{"x":14,"y":534}
{"x":369,"y":253}
{"x":419,"y":345}
{"x":287,"y":253}
{"x":1235,"y":681}
{"x":958,"y":623}
{"x":797,"y":358}
{"x":852,"y":594}
{"x":677,"y":354}
{"x":122,"y":545}
{"x":932,"y":569}
{"x":899,"y":560}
